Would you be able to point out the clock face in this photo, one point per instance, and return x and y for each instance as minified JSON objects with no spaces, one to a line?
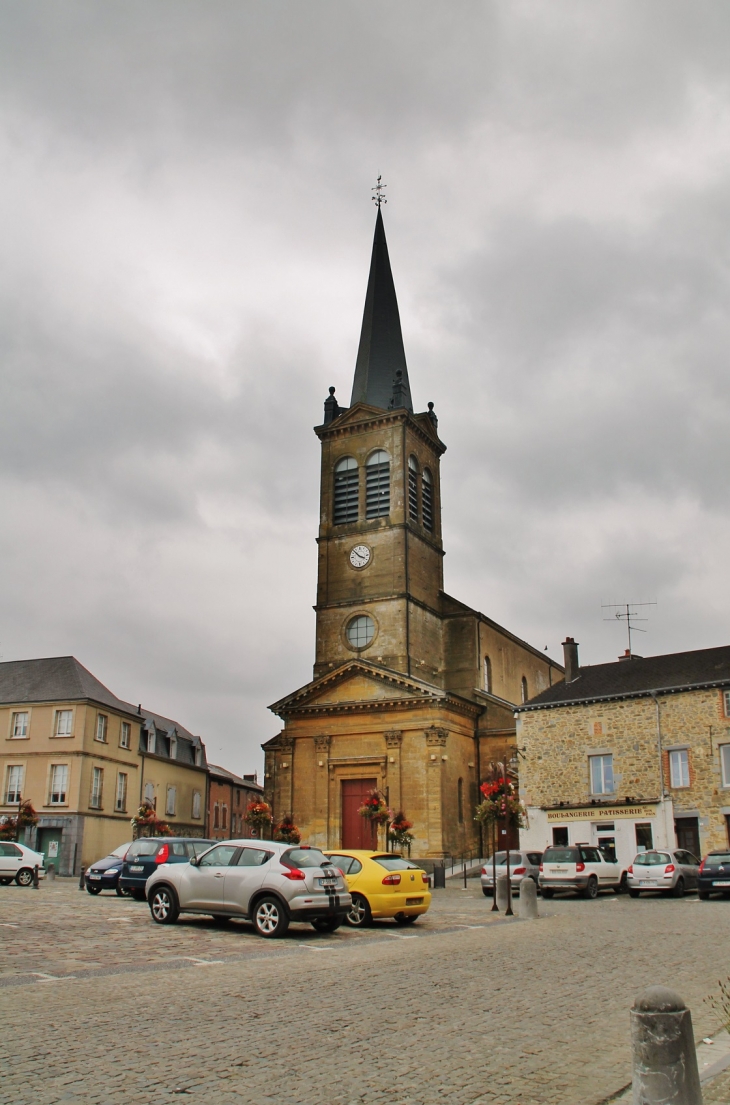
{"x":360,"y":556}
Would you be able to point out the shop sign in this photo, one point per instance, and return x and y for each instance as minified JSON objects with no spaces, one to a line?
{"x":601,"y":813}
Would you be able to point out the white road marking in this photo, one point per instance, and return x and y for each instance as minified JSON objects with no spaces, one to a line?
{"x":200,"y":962}
{"x":314,"y":948}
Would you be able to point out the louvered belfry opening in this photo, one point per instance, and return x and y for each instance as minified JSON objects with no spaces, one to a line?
{"x":427,"y":499}
{"x":347,"y":498}
{"x":413,"y":488}
{"x":377,"y":485}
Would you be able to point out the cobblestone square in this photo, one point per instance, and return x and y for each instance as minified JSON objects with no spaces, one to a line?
{"x":467,"y":1007}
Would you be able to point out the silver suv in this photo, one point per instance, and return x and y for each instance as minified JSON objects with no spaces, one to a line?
{"x":268,"y":883}
{"x":522,"y":865}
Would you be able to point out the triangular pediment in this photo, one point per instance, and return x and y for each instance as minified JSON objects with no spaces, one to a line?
{"x":354,"y":683}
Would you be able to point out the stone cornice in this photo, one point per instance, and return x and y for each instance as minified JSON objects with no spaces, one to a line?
{"x":342,"y":427}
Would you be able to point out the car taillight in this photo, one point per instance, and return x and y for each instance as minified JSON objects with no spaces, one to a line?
{"x":163,"y":853}
{"x":541,"y":868}
{"x":702,"y":866}
{"x":580,"y":866}
{"x":630,"y":869}
{"x":424,"y":876}
{"x":294,"y":874}
{"x":484,"y":871}
{"x":391,"y":880}
{"x":519,"y":870}
{"x":669,"y":869}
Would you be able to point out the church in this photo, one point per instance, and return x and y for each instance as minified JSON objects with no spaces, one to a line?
{"x":413,"y":692}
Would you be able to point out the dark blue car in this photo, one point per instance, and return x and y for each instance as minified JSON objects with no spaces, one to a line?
{"x":104,"y":874}
{"x":144,"y":856}
{"x":714,"y":875}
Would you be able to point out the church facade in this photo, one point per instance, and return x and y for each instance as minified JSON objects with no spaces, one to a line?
{"x":413,"y":692}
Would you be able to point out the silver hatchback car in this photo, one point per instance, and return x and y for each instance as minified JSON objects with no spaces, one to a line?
{"x":268,"y":883}
{"x":522,"y":865}
{"x":672,"y":872}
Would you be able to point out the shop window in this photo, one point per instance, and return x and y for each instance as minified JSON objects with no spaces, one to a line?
{"x":644,"y":837}
{"x":601,"y":768}
{"x":679,"y":767}
{"x":560,"y":836}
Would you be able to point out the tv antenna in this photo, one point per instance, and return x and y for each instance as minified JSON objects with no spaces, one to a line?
{"x":625,"y":613}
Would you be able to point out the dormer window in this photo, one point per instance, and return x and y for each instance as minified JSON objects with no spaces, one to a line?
{"x":173,"y":748}
{"x":427,"y":499}
{"x":151,"y":741}
{"x":377,"y":485}
{"x":346,"y":492}
{"x":413,"y":488}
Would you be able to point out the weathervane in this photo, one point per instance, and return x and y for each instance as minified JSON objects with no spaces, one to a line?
{"x":378,"y":189}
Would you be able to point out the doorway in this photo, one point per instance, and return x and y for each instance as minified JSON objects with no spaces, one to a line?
{"x":357,"y":831}
{"x":688,"y":834}
{"x":49,"y":843}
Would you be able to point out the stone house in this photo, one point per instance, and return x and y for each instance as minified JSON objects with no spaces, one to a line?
{"x":87,"y":760}
{"x":228,"y":799}
{"x":633,"y":754}
{"x":413,"y":691}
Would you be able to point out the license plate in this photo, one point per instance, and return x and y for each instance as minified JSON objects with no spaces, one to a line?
{"x":717,"y":882}
{"x":327,"y":883}
{"x":136,"y":870}
{"x":414,"y":901}
{"x":95,"y":877}
{"x":647,"y":882}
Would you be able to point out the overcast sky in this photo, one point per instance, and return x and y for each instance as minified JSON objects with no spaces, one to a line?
{"x":186,"y":233}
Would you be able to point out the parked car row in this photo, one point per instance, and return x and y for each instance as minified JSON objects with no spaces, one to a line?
{"x":17,"y":863}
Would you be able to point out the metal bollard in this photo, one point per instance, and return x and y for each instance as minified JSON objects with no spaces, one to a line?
{"x":664,"y":1057}
{"x":502,"y":892}
{"x":528,"y":900}
{"x":439,"y":877}
{"x":82,"y":879}
{"x":36,"y":880}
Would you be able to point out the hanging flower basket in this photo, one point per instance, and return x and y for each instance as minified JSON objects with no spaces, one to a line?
{"x":286,"y":832}
{"x":375,"y":809}
{"x":146,"y":823}
{"x":399,"y":832}
{"x":501,"y":805}
{"x":258,"y":815}
{"x":10,"y":827}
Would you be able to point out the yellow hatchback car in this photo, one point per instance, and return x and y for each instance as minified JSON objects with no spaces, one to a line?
{"x":382,"y":884}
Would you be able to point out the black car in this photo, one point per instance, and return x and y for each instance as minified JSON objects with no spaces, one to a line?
{"x":144,"y":857}
{"x":104,"y":874}
{"x":714,"y":875}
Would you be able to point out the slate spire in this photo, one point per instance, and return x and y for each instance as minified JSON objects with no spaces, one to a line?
{"x":381,"y":356}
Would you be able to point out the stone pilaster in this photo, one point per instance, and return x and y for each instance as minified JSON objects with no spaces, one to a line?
{"x":393,"y":742}
{"x":319,"y":833}
{"x":435,"y":745}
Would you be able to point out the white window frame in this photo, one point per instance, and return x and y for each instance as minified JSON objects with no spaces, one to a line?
{"x":102,"y":728}
{"x":63,"y":799}
{"x":679,"y":768}
{"x":14,"y":724}
{"x":120,"y":800}
{"x":196,"y":804}
{"x":151,"y":741}
{"x":67,"y":715}
{"x":171,"y":801}
{"x":724,"y":750}
{"x":604,"y":788}
{"x":125,"y":734}
{"x":17,"y":790}
{"x":726,"y":702}
{"x":97,"y":787}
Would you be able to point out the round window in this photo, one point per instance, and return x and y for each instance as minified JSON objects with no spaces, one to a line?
{"x":360,"y":631}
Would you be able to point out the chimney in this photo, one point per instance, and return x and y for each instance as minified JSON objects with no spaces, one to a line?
{"x":570,"y":659}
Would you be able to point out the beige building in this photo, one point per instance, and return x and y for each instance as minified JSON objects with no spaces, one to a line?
{"x":634,"y":754}
{"x":86,"y":760}
{"x":413,"y":691}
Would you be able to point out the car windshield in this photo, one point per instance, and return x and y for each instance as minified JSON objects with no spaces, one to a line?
{"x":560,"y":855}
{"x":652,"y":859}
{"x":515,"y":859}
{"x":396,"y":863}
{"x":717,"y":857}
{"x":305,"y":857}
{"x":143,"y":848}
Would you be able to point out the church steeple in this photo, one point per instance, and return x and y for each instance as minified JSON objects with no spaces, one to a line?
{"x":381,"y":356}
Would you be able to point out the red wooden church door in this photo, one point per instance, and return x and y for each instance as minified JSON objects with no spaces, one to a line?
{"x":357,"y":831}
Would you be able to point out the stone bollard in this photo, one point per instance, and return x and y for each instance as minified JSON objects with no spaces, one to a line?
{"x":502,"y":901}
{"x":36,"y":881}
{"x":50,"y":872}
{"x":664,"y":1057}
{"x":528,"y":900}
{"x":82,"y":879}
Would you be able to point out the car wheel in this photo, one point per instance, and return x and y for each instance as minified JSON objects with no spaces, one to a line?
{"x":486,"y":893}
{"x":623,"y":886}
{"x":547,"y":892}
{"x":120,"y":892}
{"x":359,"y":915}
{"x":327,"y":924}
{"x":591,"y":891}
{"x":163,"y":906}
{"x":633,"y":893}
{"x":406,"y":918}
{"x":5,"y":882}
{"x":93,"y":889}
{"x":24,"y":876}
{"x":677,"y":891}
{"x":703,"y":895}
{"x":270,"y":918}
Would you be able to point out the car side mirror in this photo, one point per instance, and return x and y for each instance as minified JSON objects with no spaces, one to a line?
{"x":195,"y":861}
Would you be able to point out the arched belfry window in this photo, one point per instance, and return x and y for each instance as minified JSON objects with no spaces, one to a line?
{"x":525,"y":694}
{"x":347,"y":498}
{"x":427,"y":499}
{"x":377,"y":485}
{"x":413,"y":488}
{"x":487,"y":674}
